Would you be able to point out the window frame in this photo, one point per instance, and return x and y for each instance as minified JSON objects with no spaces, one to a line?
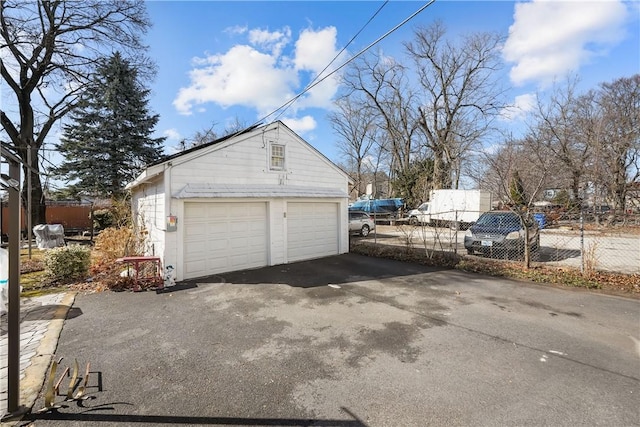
{"x":272,"y":157}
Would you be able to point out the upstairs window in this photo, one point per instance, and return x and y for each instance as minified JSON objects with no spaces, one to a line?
{"x":277,"y":157}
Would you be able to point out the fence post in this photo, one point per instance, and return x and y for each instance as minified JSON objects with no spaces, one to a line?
{"x":457,"y":225}
{"x":581,"y":241}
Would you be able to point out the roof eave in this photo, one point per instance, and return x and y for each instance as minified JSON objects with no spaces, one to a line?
{"x":146,"y":175}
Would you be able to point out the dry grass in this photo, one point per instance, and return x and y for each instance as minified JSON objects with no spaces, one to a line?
{"x":609,"y":283}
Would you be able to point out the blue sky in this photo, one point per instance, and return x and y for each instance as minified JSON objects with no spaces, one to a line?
{"x":219,"y":60}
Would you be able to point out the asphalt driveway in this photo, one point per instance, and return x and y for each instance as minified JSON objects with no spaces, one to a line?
{"x":352,"y":341}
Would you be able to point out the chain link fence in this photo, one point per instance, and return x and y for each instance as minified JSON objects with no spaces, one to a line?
{"x":585,"y":241}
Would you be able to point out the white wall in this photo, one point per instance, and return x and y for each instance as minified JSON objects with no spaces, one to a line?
{"x":149,"y":213}
{"x":245,"y":160}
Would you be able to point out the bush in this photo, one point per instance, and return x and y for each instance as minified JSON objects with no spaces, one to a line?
{"x":103,"y":218}
{"x":114,"y":243}
{"x":118,"y":215}
{"x":67,"y":264}
{"x":111,"y":244}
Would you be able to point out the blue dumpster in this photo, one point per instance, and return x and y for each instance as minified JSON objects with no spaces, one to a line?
{"x":541,"y":219}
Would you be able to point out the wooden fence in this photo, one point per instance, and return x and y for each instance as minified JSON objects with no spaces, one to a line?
{"x":75,"y":218}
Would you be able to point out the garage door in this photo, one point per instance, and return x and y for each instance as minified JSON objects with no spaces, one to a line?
{"x":312,"y":230}
{"x":223,"y":237}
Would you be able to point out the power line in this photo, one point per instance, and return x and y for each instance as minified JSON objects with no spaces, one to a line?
{"x":337,"y":56}
{"x":318,"y":81}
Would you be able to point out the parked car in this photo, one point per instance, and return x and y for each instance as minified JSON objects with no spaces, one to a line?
{"x":384,"y":209}
{"x":501,"y":234}
{"x":361,"y":222}
{"x":419,"y":212}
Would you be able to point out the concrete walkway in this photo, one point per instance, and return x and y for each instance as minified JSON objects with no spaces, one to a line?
{"x":41,"y":320}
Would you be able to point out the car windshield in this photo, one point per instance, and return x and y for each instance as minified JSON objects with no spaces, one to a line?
{"x":499,"y":220}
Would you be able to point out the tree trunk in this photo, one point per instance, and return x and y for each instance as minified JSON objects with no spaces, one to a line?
{"x":27,"y":150}
{"x":38,"y":205}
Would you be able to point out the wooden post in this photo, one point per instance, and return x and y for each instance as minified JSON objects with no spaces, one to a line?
{"x":13,"y":315}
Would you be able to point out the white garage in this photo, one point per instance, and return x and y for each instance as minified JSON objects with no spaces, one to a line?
{"x":261,"y":197}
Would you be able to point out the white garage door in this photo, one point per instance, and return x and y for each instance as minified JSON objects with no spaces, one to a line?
{"x":223,"y":237}
{"x":312,"y":230}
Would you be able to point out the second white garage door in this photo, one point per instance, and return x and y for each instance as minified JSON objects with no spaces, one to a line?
{"x":222,"y":237}
{"x":312,"y":230}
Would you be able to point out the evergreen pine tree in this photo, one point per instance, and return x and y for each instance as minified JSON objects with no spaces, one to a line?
{"x":517,"y":192}
{"x":108,"y":141}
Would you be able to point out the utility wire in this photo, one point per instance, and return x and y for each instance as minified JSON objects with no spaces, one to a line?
{"x":318,"y":81}
{"x":334,"y":58}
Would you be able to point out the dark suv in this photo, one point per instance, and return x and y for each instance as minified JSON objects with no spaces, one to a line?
{"x":501,"y":234}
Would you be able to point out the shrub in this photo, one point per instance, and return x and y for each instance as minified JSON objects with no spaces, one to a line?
{"x":114,"y":243}
{"x":103,"y":218}
{"x":117,"y":215}
{"x":67,"y":264}
{"x":111,"y":244}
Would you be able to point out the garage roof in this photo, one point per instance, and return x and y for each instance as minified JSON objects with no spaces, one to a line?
{"x":254,"y":191}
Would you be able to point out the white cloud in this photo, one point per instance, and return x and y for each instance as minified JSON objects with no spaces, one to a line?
{"x":301,"y":125}
{"x":552,"y":38}
{"x":273,"y":41}
{"x":261,"y":76}
{"x":242,"y":76}
{"x":172,"y":134}
{"x":236,"y":29}
{"x":315,"y":49}
{"x":521,"y":106}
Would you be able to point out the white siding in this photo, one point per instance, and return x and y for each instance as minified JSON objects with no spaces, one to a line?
{"x":149,"y":214}
{"x":246,"y":161}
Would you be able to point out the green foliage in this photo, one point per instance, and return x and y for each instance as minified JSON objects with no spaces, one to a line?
{"x":117,"y":215}
{"x":413,"y":184}
{"x":564,"y":199}
{"x":516,"y":191}
{"x":109,"y":139}
{"x":64,"y":194}
{"x":67,"y":264}
{"x":103,"y":218}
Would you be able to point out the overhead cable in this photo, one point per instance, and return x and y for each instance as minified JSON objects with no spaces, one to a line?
{"x":286,"y":106}
{"x":318,"y":81}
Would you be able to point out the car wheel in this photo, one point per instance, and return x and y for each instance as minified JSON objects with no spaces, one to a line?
{"x":413,"y":220}
{"x":469,"y":251}
{"x":364,"y":232}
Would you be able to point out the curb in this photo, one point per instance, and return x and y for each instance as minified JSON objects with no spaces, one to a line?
{"x":36,"y":373}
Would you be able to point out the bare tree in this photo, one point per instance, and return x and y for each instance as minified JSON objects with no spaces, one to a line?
{"x":385,"y":87}
{"x":564,"y":128}
{"x":517,"y":172}
{"x":50,"y":49}
{"x":235,"y":125}
{"x":461,"y":94}
{"x":202,"y":136}
{"x":354,"y":126}
{"x":619,"y":103}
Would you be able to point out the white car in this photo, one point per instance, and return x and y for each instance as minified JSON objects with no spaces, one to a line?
{"x":361,"y":222}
